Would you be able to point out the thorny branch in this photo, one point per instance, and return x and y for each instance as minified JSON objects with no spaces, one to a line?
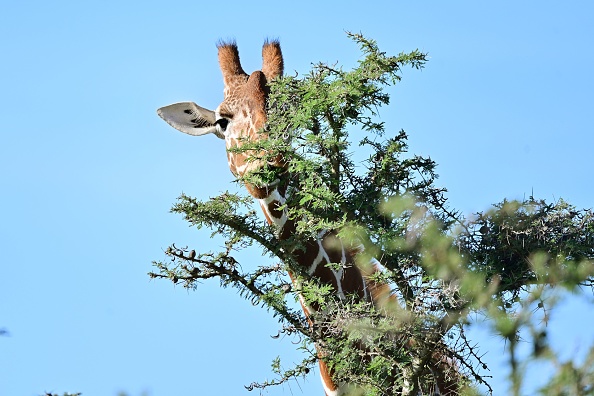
{"x":227,"y":271}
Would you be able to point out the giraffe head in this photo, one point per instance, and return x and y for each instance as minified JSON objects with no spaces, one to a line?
{"x":241,"y":116}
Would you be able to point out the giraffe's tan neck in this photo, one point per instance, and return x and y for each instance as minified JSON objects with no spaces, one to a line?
{"x":326,"y":248}
{"x":314,"y":258}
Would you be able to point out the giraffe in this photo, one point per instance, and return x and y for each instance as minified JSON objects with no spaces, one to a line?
{"x":241,"y":116}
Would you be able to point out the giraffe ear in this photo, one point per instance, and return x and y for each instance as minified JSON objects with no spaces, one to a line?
{"x":190,"y":118}
{"x":272,"y":60}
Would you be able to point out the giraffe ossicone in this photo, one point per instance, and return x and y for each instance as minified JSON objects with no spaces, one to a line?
{"x":241,"y":117}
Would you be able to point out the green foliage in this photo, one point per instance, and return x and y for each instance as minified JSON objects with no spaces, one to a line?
{"x":504,"y":264}
{"x":531,"y":242}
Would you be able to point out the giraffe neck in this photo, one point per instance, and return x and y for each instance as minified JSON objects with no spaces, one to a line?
{"x":276,"y":215}
{"x":316,"y":253}
{"x":314,"y":258}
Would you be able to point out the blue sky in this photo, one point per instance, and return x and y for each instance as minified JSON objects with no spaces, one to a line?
{"x":89,"y":171}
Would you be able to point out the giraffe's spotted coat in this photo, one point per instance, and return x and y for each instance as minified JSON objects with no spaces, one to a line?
{"x":242,"y":116}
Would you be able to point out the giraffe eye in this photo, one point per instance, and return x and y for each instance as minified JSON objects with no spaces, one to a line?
{"x":221,"y":124}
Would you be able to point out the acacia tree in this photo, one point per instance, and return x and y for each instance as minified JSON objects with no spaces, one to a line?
{"x":442,"y":267}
